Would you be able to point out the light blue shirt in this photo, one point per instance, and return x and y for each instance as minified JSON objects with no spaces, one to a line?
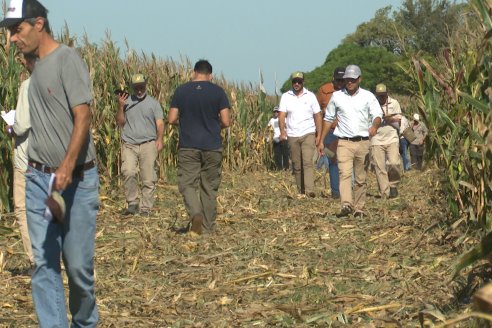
{"x":355,"y":113}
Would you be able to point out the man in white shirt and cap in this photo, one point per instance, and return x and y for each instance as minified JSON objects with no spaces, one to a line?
{"x":385,"y":153}
{"x":359,"y":116}
{"x":300,"y":121}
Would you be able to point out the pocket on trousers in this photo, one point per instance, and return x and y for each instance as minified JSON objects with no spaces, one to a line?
{"x":90,"y":180}
{"x":30,"y":175}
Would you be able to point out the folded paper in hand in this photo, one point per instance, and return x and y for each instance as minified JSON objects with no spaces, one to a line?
{"x":55,"y":204}
{"x":9,"y":117}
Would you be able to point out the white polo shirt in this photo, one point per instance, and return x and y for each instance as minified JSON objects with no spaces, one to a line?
{"x":300,"y":110}
{"x":355,"y":113}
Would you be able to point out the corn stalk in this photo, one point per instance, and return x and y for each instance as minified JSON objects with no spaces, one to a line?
{"x":454,"y":95}
{"x":110,"y":68}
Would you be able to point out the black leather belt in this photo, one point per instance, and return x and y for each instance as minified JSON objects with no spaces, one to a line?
{"x":354,"y":138}
{"x":77,"y":172}
{"x":146,"y":142}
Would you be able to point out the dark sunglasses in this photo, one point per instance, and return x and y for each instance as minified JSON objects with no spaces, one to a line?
{"x":297,"y":81}
{"x":351,"y":80}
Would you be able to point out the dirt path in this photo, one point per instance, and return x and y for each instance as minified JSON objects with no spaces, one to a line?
{"x":276,"y":261}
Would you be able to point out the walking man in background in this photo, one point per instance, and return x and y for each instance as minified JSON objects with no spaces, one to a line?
{"x":385,"y":145}
{"x":299,"y":120}
{"x":201,"y":109}
{"x":280,"y":147}
{"x":61,"y":156}
{"x":417,"y":146}
{"x":404,"y":143}
{"x":331,"y":141}
{"x":359,"y":115}
{"x":141,"y":121}
{"x":20,"y":131}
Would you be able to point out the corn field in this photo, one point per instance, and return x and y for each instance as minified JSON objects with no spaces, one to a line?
{"x":110,"y":68}
{"x":454,"y":96}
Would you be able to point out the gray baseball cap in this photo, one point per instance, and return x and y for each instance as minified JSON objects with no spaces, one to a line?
{"x":352,"y":72}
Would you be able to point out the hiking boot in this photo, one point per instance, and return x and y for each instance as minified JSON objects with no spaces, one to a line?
{"x":393,"y":193}
{"x":145,"y":213}
{"x":311,"y":194}
{"x":346,"y":211}
{"x":358,"y":214}
{"x":197,"y":224}
{"x":131,"y":210}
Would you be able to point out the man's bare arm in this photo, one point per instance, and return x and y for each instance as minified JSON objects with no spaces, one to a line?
{"x":82,"y":121}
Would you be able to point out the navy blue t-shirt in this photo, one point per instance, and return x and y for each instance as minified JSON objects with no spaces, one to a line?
{"x":199,"y":104}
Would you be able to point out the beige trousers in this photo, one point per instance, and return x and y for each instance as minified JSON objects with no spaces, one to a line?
{"x":302,"y":153}
{"x":139,"y":160}
{"x":387,"y":174}
{"x":352,"y":157}
{"x":20,"y":210}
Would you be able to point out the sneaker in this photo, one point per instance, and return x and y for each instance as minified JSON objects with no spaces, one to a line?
{"x":131,"y":210}
{"x":393,"y":193}
{"x":197,"y":224}
{"x":346,"y":211}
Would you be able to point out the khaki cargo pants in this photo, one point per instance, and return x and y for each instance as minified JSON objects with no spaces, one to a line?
{"x":199,"y":176}
{"x":139,"y":160}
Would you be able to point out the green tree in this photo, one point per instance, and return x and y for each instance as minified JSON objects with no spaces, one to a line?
{"x":380,"y":31}
{"x":427,"y":24}
{"x":377,"y":65}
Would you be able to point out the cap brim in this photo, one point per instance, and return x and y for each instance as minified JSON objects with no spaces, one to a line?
{"x":351,"y":76}
{"x":8,"y":22}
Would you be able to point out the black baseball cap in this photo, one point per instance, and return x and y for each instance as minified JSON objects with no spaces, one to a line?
{"x":20,"y":10}
{"x":338,"y":73}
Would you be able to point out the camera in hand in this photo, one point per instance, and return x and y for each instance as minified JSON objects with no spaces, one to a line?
{"x":120,"y":92}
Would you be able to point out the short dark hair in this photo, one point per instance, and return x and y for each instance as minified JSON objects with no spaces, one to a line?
{"x":203,"y":67}
{"x":32,"y":21}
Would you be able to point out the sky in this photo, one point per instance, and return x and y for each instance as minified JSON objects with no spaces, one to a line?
{"x":239,"y":38}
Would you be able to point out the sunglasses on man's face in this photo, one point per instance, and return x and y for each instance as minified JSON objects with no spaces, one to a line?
{"x":350,"y":80}
{"x":297,"y":81}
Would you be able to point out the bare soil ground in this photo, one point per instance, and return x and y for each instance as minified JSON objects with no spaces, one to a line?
{"x":276,"y":260}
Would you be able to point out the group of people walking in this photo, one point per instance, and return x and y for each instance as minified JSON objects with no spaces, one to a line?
{"x":56,"y":179}
{"x":350,"y":128}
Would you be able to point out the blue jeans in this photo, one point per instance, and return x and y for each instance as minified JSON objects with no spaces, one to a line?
{"x":331,"y":165}
{"x":404,"y":153}
{"x":74,"y":239}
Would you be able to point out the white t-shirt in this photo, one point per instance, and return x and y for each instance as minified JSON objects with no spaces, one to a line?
{"x":273,"y":123}
{"x":300,"y":112}
{"x":22,"y":126}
